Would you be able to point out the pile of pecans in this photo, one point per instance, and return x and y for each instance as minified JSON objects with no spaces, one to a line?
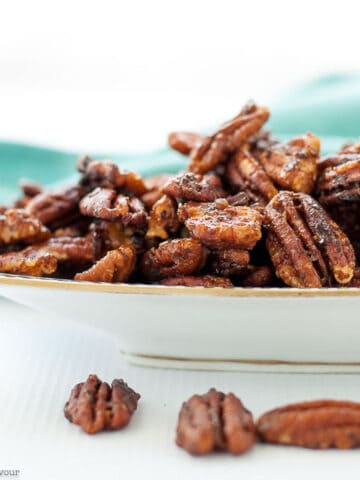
{"x":219,"y":421}
{"x":249,"y":211}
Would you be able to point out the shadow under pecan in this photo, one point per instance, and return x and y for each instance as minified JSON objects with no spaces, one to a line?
{"x":173,"y":258}
{"x":207,"y":281}
{"x":163,"y":219}
{"x":16,"y":225}
{"x":30,"y":261}
{"x":229,"y":262}
{"x":154,"y":191}
{"x":314,"y":424}
{"x":293,"y":166}
{"x":50,"y":206}
{"x":106,"y":174}
{"x":307,"y":248}
{"x":222,"y":226}
{"x":115,"y":267}
{"x":184,"y":142}
{"x":215,"y":421}
{"x":95,"y":405}
{"x":107,"y":204}
{"x":198,"y":188}
{"x":217,"y":148}
{"x":339,"y":179}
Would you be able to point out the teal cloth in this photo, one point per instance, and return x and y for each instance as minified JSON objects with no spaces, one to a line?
{"x":328,"y":107}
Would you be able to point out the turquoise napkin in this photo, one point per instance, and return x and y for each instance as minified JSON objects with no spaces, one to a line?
{"x":328,"y":107}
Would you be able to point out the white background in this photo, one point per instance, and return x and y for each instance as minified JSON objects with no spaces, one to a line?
{"x":115,"y":75}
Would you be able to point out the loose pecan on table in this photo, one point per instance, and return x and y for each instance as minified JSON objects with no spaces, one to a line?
{"x":339,"y":178}
{"x":215,"y":421}
{"x":95,"y":405}
{"x":217,"y":148}
{"x":18,"y":226}
{"x":206,"y":281}
{"x":116,"y":266}
{"x":314,"y":424}
{"x":307,"y":248}
{"x":173,"y":258}
{"x":222,"y":226}
{"x":199,"y":188}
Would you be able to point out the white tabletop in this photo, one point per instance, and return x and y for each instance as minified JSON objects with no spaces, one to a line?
{"x":41,"y":358}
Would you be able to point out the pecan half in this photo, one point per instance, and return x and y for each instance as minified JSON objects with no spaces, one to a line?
{"x":315,"y":424}
{"x":221,"y":226}
{"x":177,"y":257}
{"x":50,"y":206}
{"x":306,"y":247}
{"x":206,"y":281}
{"x":293,"y":165}
{"x":95,"y":406}
{"x":30,"y":190}
{"x":199,"y":188}
{"x":106,"y":204}
{"x":163,"y":219}
{"x":115,"y":267}
{"x":184,"y":142}
{"x":29,"y":261}
{"x":106,"y":236}
{"x":228,"y":262}
{"x":339,"y":179}
{"x":154,"y":189}
{"x":18,"y":226}
{"x":215,"y":421}
{"x":258,"y":276}
{"x":217,"y":148}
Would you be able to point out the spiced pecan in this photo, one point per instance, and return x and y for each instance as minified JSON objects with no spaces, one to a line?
{"x":206,"y":281}
{"x":314,"y":424}
{"x":307,"y":248}
{"x":29,"y":261}
{"x":228,"y":262}
{"x":245,"y":173}
{"x":18,"y":226}
{"x":50,"y":206}
{"x":217,"y":148}
{"x":222,"y":226}
{"x":116,"y":266}
{"x":74,"y":249}
{"x":177,"y":257}
{"x":184,"y":142}
{"x":106,"y":204}
{"x":215,"y":421}
{"x":191,"y":186}
{"x":95,"y":405}
{"x":293,"y":166}
{"x":106,"y":236}
{"x":163,"y":219}
{"x":154,"y":189}
{"x":30,"y":190}
{"x":339,"y":179}
{"x":258,"y":276}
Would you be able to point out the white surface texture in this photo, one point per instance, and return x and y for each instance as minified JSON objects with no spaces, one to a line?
{"x":40,"y":361}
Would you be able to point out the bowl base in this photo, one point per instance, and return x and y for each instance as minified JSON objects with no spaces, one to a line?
{"x":256,"y":366}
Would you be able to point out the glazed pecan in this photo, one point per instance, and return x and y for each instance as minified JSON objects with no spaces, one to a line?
{"x":293,"y":165}
{"x":228,"y":262}
{"x":199,"y":188}
{"x":163,"y":219}
{"x":75,"y":249}
{"x":245,"y":173}
{"x":29,"y":261}
{"x":217,"y":148}
{"x":116,"y":266}
{"x":106,"y":236}
{"x":306,"y":247}
{"x":50,"y":206}
{"x":315,"y":424}
{"x":30,"y":190}
{"x":173,"y":258}
{"x":95,"y":406}
{"x":222,"y":226}
{"x":339,"y":179}
{"x":184,"y":142}
{"x":154,"y":189}
{"x":206,"y":281}
{"x":18,"y":226}
{"x":106,"y":204}
{"x":215,"y":421}
{"x":258,"y":276}
{"x":106,"y":174}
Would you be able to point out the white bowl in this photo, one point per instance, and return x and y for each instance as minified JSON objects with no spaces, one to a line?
{"x":316,"y":330}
